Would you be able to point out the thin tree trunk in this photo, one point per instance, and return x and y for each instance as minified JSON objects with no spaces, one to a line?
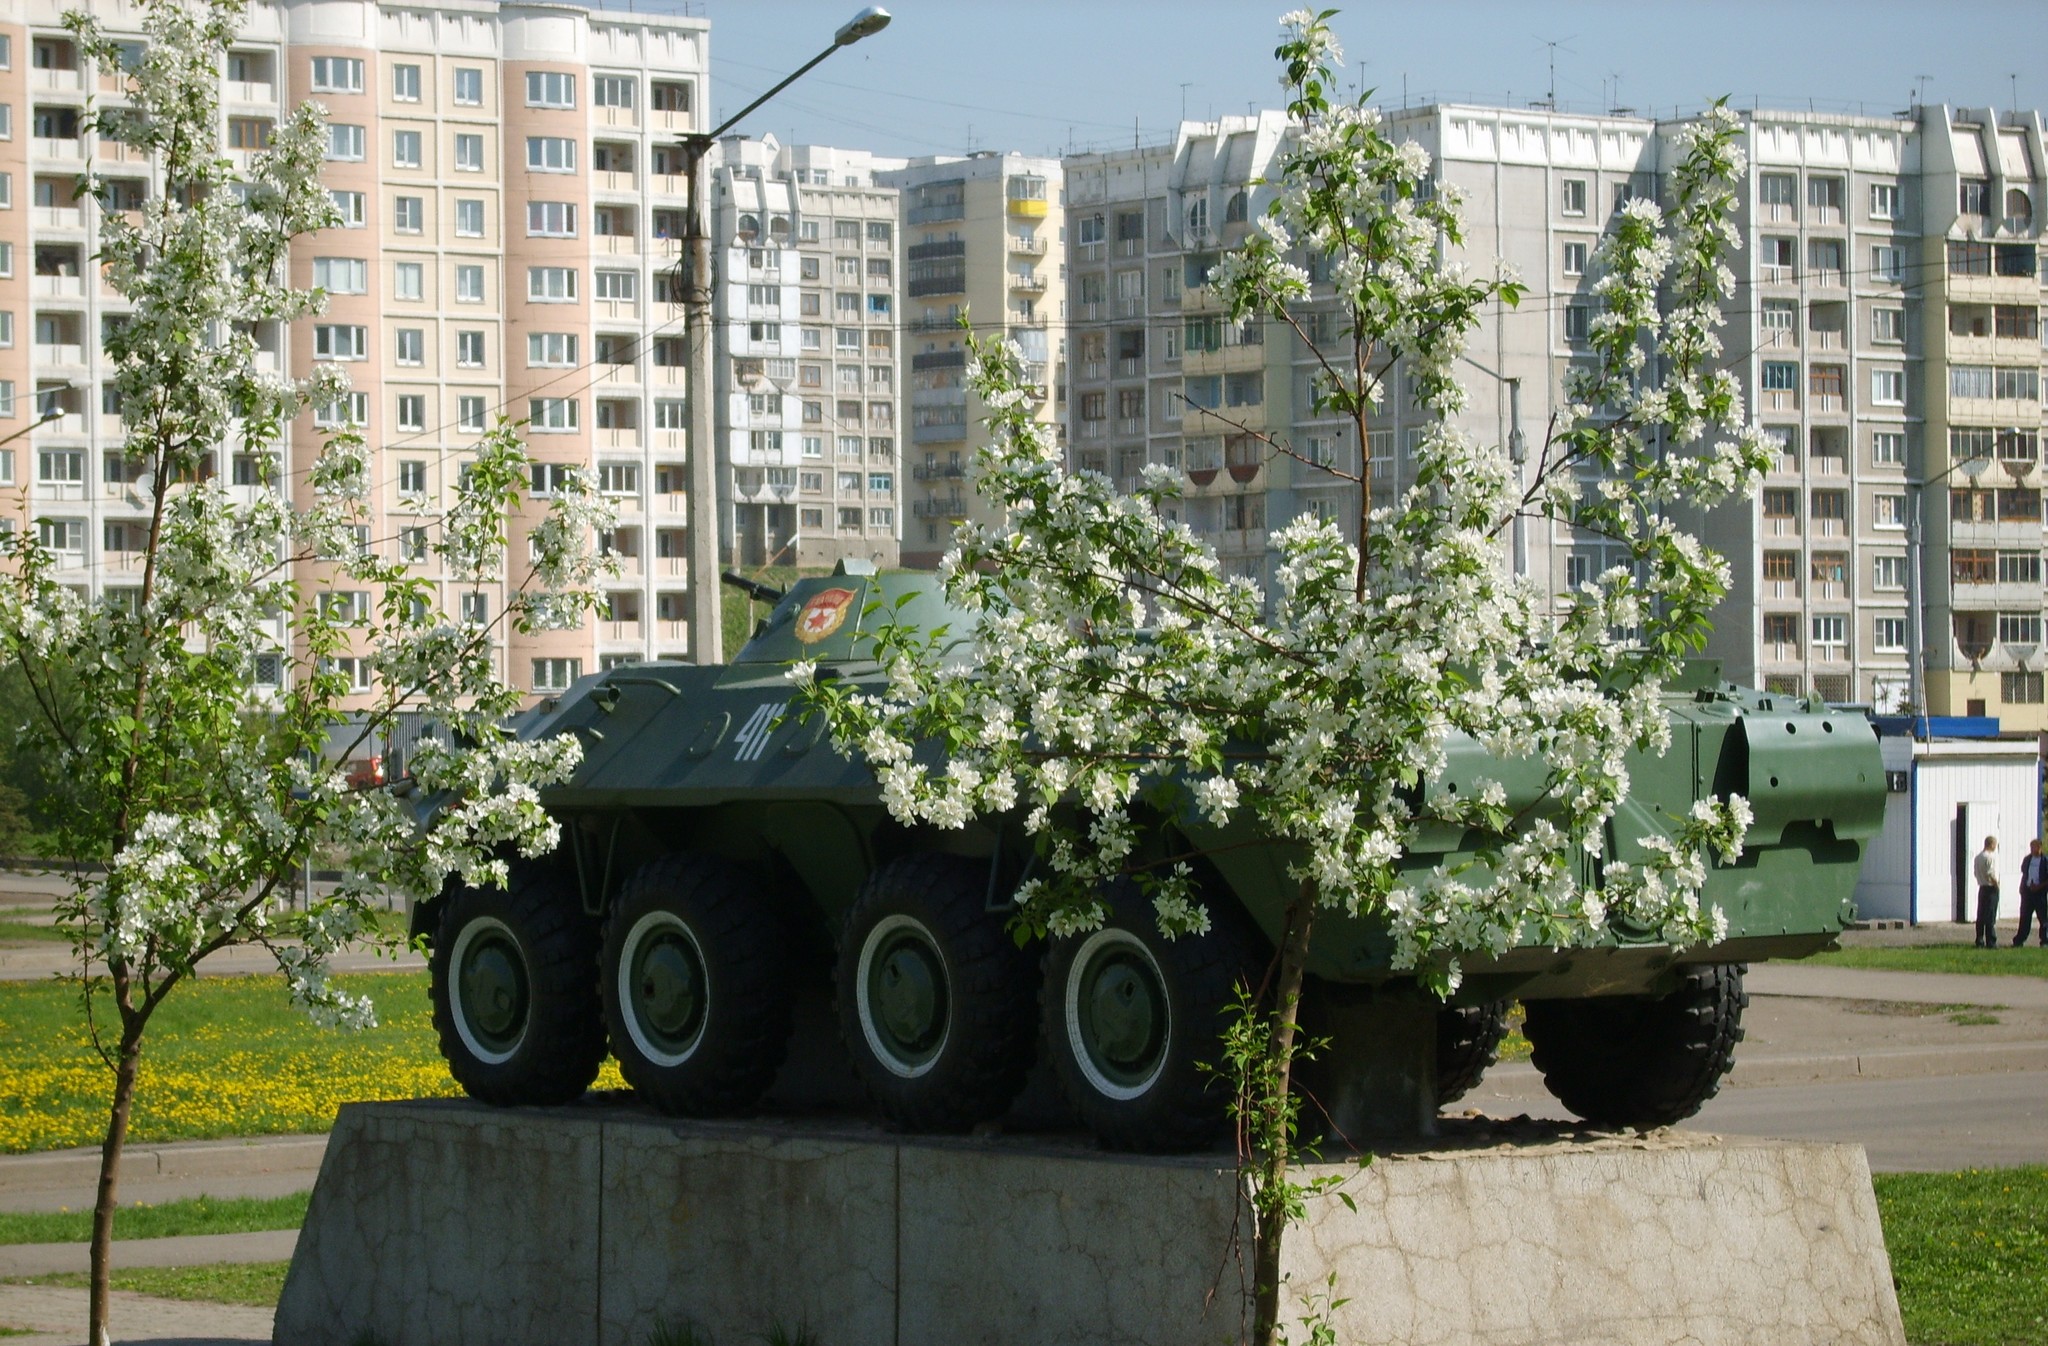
{"x":1269,"y":1207}
{"x":126,"y":1062}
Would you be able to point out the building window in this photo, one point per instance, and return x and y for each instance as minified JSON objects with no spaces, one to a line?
{"x":1780,"y":376}
{"x":409,"y":346}
{"x":342,"y":275}
{"x":337,"y":74}
{"x":469,"y":153}
{"x":351,"y":206}
{"x":1888,"y":572}
{"x":550,"y":219}
{"x":409,"y":280}
{"x":469,"y":86}
{"x":1888,"y":635}
{"x":1973,"y":196}
{"x":547,"y":88}
{"x":412,"y":476}
{"x":2021,"y":689}
{"x":1575,"y":259}
{"x":344,"y":142}
{"x":408,"y":214}
{"x":617,"y":285}
{"x":469,"y":414}
{"x":1888,"y":387}
{"x":1888,"y":264}
{"x":1884,"y":201}
{"x":550,"y":154}
{"x":1578,"y":322}
{"x":412,"y":411}
{"x":405,"y":84}
{"x":405,"y":149}
{"x":612,"y":90}
{"x":469,"y":350}
{"x":340,"y":341}
{"x":556,"y":415}
{"x":469,"y":284}
{"x":1572,"y":196}
{"x":555,"y":675}
{"x":469,"y":219}
{"x":1888,"y":326}
{"x":1888,"y":448}
{"x":551,"y":350}
{"x":1831,"y":636}
{"x":348,"y":409}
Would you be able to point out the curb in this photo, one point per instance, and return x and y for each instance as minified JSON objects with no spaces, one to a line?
{"x":1899,"y":1063}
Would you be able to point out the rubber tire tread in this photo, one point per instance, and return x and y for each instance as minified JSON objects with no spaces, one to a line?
{"x":564,"y":1045}
{"x":1632,"y":1061}
{"x":992,"y":985}
{"x":1468,"y":1038}
{"x":746,"y":937}
{"x":1188,"y":1109}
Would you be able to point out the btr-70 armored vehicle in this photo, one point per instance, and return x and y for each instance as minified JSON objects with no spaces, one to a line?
{"x":719,"y":858}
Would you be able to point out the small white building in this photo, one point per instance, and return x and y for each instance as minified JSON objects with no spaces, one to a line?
{"x":1947,"y":795}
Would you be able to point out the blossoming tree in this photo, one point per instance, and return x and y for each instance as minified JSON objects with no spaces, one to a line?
{"x":1115,"y":671}
{"x":201,"y":796}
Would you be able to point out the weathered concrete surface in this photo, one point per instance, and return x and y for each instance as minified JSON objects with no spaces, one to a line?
{"x":447,"y":1222}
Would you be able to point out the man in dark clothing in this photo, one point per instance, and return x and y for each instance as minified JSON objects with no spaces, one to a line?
{"x":2033,"y":894}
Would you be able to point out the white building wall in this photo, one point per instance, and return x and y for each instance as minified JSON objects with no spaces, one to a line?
{"x":1963,"y":785}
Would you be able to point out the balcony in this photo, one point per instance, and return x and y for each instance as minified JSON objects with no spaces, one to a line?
{"x":69,"y":149}
{"x":57,"y":81}
{"x":938,"y":471}
{"x":58,"y":287}
{"x":937,"y":212}
{"x":1027,"y":247}
{"x":59,"y":353}
{"x":942,"y":507}
{"x":58,"y":217}
{"x":249,"y":91}
{"x":1028,"y":207}
{"x":1028,"y":284}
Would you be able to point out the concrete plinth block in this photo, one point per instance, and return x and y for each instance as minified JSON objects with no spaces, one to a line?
{"x":454,"y":1223}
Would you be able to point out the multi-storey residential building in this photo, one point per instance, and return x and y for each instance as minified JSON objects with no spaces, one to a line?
{"x":808,"y":317}
{"x":981,"y":238}
{"x":1884,"y":330}
{"x":510,"y":206}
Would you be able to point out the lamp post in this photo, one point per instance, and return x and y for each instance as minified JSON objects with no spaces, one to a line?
{"x":50,"y":413}
{"x":1518,"y":455}
{"x":707,"y":644}
{"x":1916,"y":617}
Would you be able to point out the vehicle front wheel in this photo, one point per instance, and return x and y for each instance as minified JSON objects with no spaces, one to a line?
{"x":1636,"y":1060}
{"x":696,"y":985}
{"x":1135,"y":1024}
{"x":513,"y":981}
{"x":936,"y":1002}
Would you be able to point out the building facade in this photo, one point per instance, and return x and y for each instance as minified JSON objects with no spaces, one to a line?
{"x":808,"y":388}
{"x":511,"y":209}
{"x":982,"y":239}
{"x":1885,"y":328}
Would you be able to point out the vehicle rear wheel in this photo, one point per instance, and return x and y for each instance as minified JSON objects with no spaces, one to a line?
{"x":1468,"y":1037}
{"x":1637,"y":1061}
{"x":513,"y":981}
{"x":936,"y":1001}
{"x":696,"y":985}
{"x":1133,"y":1019}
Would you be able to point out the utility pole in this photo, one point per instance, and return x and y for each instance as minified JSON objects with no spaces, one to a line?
{"x":707,"y":638}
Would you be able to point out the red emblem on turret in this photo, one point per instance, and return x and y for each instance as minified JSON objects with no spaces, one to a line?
{"x":823,"y":614}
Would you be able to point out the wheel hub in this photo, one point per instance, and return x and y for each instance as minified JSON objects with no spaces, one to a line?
{"x":907,"y":997}
{"x":494,"y":992}
{"x":668,"y":989}
{"x":1119,"y":1019}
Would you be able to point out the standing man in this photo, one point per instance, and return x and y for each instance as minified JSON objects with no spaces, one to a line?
{"x":2033,"y":893}
{"x":1987,"y":895}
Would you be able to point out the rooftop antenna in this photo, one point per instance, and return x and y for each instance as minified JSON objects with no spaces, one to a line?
{"x":1184,"y":98}
{"x":2014,"y":77}
{"x":1920,"y":88}
{"x":1551,"y":98}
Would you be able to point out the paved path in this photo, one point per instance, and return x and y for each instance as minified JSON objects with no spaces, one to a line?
{"x":56,"y":1317}
{"x":40,"y":962}
{"x":192,"y":1250}
{"x":1926,"y":988}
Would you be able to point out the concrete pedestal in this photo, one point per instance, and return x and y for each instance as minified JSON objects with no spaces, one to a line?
{"x":448,"y":1222}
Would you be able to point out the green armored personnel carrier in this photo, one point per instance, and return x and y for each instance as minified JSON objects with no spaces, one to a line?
{"x":719,"y":861}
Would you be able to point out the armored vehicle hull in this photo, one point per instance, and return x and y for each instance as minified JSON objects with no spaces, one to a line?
{"x":719,"y":855}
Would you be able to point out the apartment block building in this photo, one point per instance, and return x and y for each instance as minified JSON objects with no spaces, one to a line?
{"x":1885,"y":329}
{"x":808,"y":388}
{"x":511,"y":209}
{"x":982,"y":238}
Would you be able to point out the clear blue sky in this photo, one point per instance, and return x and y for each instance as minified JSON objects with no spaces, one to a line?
{"x":1042,"y":75}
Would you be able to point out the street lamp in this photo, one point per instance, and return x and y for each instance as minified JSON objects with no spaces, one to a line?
{"x":707,"y":644}
{"x":1916,"y":617}
{"x":50,"y":413}
{"x":1518,"y":455}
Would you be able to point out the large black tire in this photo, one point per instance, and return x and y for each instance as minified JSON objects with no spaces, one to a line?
{"x":696,"y":985}
{"x":1637,"y":1061}
{"x":513,"y":982}
{"x":1134,"y":1023}
{"x":1468,"y":1037}
{"x":937,"y":1003}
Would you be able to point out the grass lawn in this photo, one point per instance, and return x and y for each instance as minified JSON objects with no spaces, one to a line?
{"x":224,"y":1056}
{"x":169,"y":1219}
{"x":2031,"y":961}
{"x":257,"y":1283}
{"x":1970,"y":1254}
{"x":30,"y":932}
